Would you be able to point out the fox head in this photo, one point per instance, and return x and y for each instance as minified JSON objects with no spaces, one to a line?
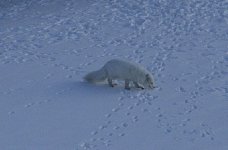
{"x":149,"y":81}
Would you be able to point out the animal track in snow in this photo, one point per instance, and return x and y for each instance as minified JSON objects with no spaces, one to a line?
{"x":172,"y":39}
{"x":129,"y":104}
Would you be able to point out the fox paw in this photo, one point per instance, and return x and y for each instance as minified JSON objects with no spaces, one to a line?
{"x":127,"y":88}
{"x":113,"y":85}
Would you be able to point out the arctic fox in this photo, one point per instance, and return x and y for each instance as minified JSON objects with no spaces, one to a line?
{"x":122,"y":70}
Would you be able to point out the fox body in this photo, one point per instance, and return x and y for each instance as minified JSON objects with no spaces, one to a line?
{"x":117,"y":69}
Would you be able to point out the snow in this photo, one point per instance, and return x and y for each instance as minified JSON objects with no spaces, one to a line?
{"x":46,"y":47}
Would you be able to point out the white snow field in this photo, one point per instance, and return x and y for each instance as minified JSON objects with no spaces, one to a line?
{"x":47,"y":46}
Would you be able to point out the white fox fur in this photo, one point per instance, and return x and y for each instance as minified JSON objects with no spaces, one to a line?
{"x":122,"y":70}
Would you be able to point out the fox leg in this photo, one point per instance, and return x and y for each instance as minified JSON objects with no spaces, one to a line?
{"x":110,"y":82}
{"x":138,"y":86}
{"x":127,"y":84}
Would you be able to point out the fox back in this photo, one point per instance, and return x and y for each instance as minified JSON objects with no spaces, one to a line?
{"x":119,"y":69}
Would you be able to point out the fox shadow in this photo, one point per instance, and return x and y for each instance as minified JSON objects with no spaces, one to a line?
{"x":85,"y":89}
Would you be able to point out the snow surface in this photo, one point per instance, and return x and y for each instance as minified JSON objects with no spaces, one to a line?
{"x":47,"y":46}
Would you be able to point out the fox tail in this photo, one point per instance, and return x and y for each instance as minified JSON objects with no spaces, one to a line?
{"x":96,"y":76}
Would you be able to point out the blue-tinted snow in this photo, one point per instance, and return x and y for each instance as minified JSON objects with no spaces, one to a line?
{"x":47,"y":46}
